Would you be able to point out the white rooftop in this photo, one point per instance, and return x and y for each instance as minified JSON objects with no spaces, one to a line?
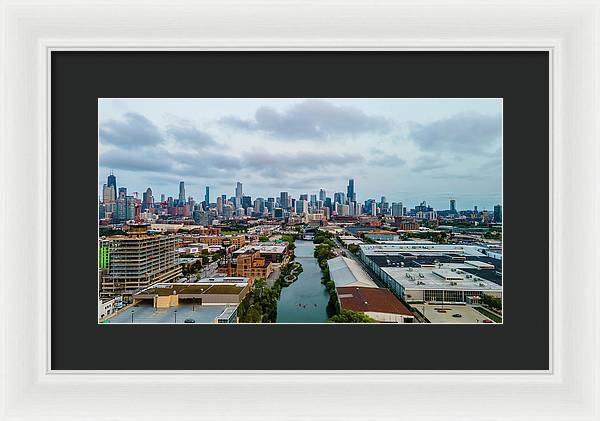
{"x":345,"y":272}
{"x":448,"y":277}
{"x":412,"y":247}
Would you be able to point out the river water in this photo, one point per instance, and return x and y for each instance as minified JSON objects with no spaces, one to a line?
{"x":304,"y":301}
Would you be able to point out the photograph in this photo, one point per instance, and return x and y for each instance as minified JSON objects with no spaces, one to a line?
{"x":300,"y":210}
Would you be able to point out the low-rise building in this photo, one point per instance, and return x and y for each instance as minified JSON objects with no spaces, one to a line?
{"x":378,"y":303}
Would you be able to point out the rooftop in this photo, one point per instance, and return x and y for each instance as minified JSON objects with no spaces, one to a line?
{"x":346,"y":272}
{"x":437,"y":278}
{"x":146,"y":313}
{"x":379,"y":300}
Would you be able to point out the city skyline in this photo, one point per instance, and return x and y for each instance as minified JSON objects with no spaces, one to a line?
{"x":409,"y":150}
{"x":328,"y":194}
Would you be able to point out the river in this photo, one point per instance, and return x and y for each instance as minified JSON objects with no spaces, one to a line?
{"x":304,"y":301}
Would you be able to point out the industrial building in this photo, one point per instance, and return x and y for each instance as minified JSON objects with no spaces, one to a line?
{"x":356,"y":291}
{"x":440,"y":273}
{"x":137,"y":260}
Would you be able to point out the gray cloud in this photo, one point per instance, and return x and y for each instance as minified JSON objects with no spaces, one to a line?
{"x":311,"y":119}
{"x":284,"y":162}
{"x":133,"y":132}
{"x":385,"y":159}
{"x":142,"y":160}
{"x":187,"y":134}
{"x":467,"y":132}
{"x":428,"y":163}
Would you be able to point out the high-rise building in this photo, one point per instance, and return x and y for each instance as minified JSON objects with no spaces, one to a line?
{"x":259,"y":205}
{"x":246,"y":202}
{"x":108,"y":194}
{"x":342,"y":210}
{"x":453,"y":206}
{"x":498,"y":213}
{"x":219,"y":205}
{"x":322,"y":195}
{"x":304,"y":197}
{"x":181,"y":193}
{"x":238,"y":190}
{"x":339,"y":197}
{"x":313,"y":200}
{"x":397,"y":209}
{"x":138,"y":260}
{"x":162,"y":198}
{"x":112,"y":181}
{"x":301,"y":207}
{"x":148,"y":199}
{"x":284,"y":200}
{"x":122,"y":191}
{"x":351,"y":194}
{"x":207,"y":197}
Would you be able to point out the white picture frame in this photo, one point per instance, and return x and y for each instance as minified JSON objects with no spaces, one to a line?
{"x":567,"y":29}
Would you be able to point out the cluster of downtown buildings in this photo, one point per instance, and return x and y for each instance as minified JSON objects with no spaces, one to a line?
{"x":144,"y":260}
{"x":118,"y":206}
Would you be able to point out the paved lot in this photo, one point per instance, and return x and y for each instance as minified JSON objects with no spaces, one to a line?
{"x":146,"y":313}
{"x":437,"y":313}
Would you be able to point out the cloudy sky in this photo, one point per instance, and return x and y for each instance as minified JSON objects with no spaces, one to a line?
{"x":408,"y":150}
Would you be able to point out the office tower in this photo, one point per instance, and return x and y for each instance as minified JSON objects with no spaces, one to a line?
{"x":397,"y":209}
{"x":284,"y":201}
{"x":383,"y":200}
{"x":101,"y":211}
{"x":304,"y":197}
{"x":475,"y":208}
{"x":181,"y":193}
{"x":162,"y":198}
{"x":112,"y":181}
{"x":278,"y":213}
{"x":108,"y":194}
{"x":270,"y":204}
{"x":342,"y":210}
{"x":322,"y":195}
{"x":373,"y":208}
{"x":170,"y":202}
{"x":207,"y":197}
{"x":238,"y":190}
{"x":351,"y":194}
{"x":219,"y":205}
{"x":498,"y":213}
{"x":259,"y":205}
{"x":313,"y":200}
{"x":328,"y":203}
{"x":138,"y":260}
{"x":122,"y":191}
{"x":246,"y":202}
{"x":301,"y":207}
{"x":453,"y":206}
{"x":339,"y":197}
{"x":227,"y":211}
{"x":148,"y":199}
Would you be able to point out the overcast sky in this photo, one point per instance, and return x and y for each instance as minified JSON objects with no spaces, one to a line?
{"x":408,"y":150}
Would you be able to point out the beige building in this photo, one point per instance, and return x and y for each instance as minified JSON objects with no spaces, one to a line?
{"x":138,"y":260}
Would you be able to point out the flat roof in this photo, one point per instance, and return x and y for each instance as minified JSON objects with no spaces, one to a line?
{"x":427,"y":248}
{"x":144,"y":313}
{"x":344,"y":271}
{"x":193,"y":288}
{"x":426,"y":278}
{"x":380,"y":300}
{"x":263,"y":248}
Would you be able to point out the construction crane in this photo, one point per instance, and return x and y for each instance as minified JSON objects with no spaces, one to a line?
{"x":136,"y":194}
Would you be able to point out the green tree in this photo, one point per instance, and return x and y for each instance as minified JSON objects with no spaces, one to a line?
{"x":263,"y":239}
{"x":349,"y":316}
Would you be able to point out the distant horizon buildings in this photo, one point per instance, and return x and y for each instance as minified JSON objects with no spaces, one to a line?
{"x":127,"y":207}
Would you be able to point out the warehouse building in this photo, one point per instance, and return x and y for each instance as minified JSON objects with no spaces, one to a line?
{"x":438,"y":273}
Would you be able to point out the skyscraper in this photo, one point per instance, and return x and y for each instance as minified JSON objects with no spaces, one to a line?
{"x":238,"y":190}
{"x":351,"y":194}
{"x":322,"y":195}
{"x":498,"y":213}
{"x":397,"y":209}
{"x":122,"y":191}
{"x":207,"y":197}
{"x":112,"y":181}
{"x":108,"y":193}
{"x":453,"y":206}
{"x":219,"y":205}
{"x":284,"y":201}
{"x":181,"y":192}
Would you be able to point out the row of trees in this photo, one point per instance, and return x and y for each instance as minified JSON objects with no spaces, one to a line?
{"x":260,"y":304}
{"x":492,"y":302}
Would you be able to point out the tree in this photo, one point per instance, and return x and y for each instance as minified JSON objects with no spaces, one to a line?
{"x":253,"y":315}
{"x":263,"y":239}
{"x":349,"y":316}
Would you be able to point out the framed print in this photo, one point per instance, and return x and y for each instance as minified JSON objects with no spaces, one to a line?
{"x":366,"y":206}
